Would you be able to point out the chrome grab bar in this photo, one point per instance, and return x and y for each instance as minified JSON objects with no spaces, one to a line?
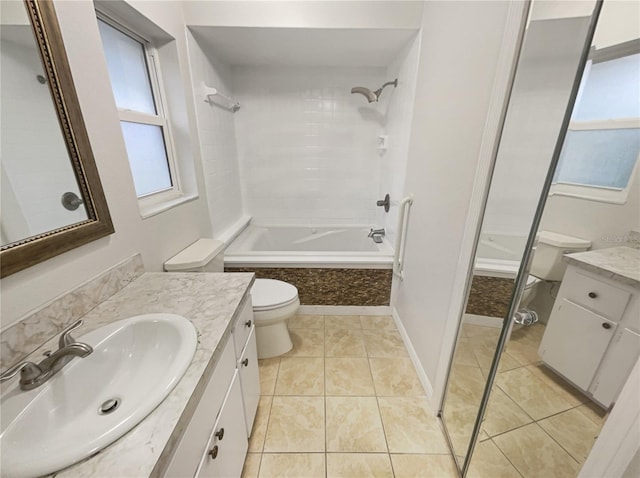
{"x":403,"y":225}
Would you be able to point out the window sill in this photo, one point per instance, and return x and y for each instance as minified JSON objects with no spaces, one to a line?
{"x":150,"y":210}
{"x":619,"y":197}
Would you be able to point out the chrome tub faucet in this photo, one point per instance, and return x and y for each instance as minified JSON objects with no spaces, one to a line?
{"x":33,"y":375}
{"x":377,"y":235}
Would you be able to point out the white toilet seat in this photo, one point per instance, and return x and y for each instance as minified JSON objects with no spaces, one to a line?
{"x":270,"y":294}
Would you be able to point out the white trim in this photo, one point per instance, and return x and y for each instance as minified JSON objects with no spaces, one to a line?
{"x":619,"y":123}
{"x":484,"y":320}
{"x":511,"y":43}
{"x":619,"y":439}
{"x":422,"y":375}
{"x":344,"y":310}
{"x":155,"y":208}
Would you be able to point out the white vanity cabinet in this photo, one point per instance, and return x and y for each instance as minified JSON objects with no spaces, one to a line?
{"x":215,"y":441}
{"x":592,"y":338}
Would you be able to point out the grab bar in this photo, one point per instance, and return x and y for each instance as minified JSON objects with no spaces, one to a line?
{"x":403,"y":225}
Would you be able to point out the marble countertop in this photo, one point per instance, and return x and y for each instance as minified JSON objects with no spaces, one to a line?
{"x":211,"y":302}
{"x":618,"y":263}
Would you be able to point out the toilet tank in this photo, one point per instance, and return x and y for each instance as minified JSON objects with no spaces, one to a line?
{"x":548,"y":263}
{"x":204,"y":255}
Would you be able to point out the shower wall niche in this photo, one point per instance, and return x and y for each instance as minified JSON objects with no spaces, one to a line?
{"x":303,"y":150}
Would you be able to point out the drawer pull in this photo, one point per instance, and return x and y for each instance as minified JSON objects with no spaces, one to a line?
{"x":220,"y":434}
{"x":606,"y":326}
{"x":593,"y":295}
{"x":245,"y":362}
{"x":248,"y":323}
{"x":213,"y":453}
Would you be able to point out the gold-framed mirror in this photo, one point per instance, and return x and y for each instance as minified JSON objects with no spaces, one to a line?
{"x":29,"y":30}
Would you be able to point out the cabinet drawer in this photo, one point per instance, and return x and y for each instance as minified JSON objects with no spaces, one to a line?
{"x":191,"y":447}
{"x":598,"y":296}
{"x":243,"y":327}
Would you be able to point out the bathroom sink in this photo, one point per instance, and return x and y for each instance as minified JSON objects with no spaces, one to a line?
{"x":95,"y":400}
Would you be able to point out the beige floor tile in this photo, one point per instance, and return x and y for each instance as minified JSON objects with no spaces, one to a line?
{"x":348,"y":376}
{"x":292,"y":465}
{"x":410,"y":426}
{"x":424,"y":466}
{"x":256,"y":440}
{"x":268,"y":370}
{"x":359,"y":465}
{"x":251,"y":465}
{"x":377,"y":322}
{"x":473,"y":330}
{"x":484,"y":349}
{"x":395,"y":377}
{"x":531,"y":394}
{"x":524,"y":352}
{"x":300,"y":376}
{"x":467,"y":384}
{"x":296,"y":424}
{"x":594,"y":412}
{"x":306,"y":322}
{"x":342,"y":322}
{"x":384,"y":343}
{"x":483,"y":436}
{"x":489,"y":462}
{"x":354,"y":425}
{"x":503,"y":414}
{"x":536,"y":454}
{"x":459,"y":419}
{"x":573,"y":431}
{"x":464,"y":354}
{"x":307,"y":343}
{"x":344,"y":343}
{"x":558,"y":384}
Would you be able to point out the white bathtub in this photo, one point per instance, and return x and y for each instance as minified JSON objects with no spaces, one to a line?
{"x":308,"y":247}
{"x":499,"y":255}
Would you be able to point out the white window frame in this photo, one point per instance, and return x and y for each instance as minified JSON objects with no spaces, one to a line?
{"x":601,"y":193}
{"x":157,"y":201}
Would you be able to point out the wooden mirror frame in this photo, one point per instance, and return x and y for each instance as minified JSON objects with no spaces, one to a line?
{"x":27,"y":252}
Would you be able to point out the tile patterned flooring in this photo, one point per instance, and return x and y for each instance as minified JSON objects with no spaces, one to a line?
{"x":536,"y":424}
{"x":345,"y":402}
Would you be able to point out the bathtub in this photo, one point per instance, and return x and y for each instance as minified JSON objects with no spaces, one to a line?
{"x":336,"y":266}
{"x":499,"y":255}
{"x":308,"y":247}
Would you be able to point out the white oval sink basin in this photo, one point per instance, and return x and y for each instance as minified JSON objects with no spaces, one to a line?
{"x":136,"y":361}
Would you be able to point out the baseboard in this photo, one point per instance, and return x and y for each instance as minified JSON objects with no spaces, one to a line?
{"x":344,"y":310}
{"x":483,"y":320}
{"x":422,"y":375}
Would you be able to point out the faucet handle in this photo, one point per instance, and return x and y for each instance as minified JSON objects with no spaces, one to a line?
{"x":65,"y":336}
{"x":28,"y":369}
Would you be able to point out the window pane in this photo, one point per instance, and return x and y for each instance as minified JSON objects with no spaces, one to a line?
{"x":612,"y":90}
{"x":147,"y":157}
{"x":602,"y":158}
{"x":128,"y":71}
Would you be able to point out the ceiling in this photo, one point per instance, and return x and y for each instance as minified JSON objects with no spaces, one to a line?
{"x":302,"y":46}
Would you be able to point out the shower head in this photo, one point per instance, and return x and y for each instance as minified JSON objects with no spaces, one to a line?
{"x":373,"y":95}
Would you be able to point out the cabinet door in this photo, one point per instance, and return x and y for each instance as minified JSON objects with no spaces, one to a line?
{"x":227,"y":447}
{"x":616,"y":368}
{"x":243,"y":327}
{"x":250,"y":380}
{"x":575,"y":341}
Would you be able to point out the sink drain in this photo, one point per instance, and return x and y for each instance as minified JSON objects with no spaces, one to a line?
{"x":109,"y":406}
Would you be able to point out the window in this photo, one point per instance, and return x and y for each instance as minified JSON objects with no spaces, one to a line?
{"x":602,"y":146}
{"x":135,"y":80}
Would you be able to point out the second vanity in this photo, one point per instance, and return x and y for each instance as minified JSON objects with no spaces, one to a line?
{"x":202,"y":427}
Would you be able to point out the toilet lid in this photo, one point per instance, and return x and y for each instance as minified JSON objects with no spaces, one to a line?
{"x":271,"y":293}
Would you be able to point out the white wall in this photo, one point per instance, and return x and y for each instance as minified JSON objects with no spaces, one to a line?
{"x":157,"y":237}
{"x":399,"y":114}
{"x":307,"y":146}
{"x":216,"y":127}
{"x":454,"y":85}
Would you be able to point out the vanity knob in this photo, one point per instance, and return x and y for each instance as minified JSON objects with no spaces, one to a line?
{"x":213,"y":453}
{"x":593,"y":295}
{"x":248,"y":323}
{"x":245,"y":362}
{"x":606,"y":326}
{"x":220,"y":434}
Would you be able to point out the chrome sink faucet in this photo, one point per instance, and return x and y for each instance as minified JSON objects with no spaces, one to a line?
{"x":376,"y":235}
{"x":33,"y":375}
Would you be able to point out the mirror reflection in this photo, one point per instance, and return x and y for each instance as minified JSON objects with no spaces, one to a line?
{"x":39,"y":190}
{"x":546,"y":72}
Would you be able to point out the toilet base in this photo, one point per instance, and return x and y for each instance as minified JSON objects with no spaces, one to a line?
{"x":272,"y":334}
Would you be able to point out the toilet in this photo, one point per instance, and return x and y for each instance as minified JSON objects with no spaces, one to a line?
{"x":274,"y":301}
{"x":547,"y":265}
